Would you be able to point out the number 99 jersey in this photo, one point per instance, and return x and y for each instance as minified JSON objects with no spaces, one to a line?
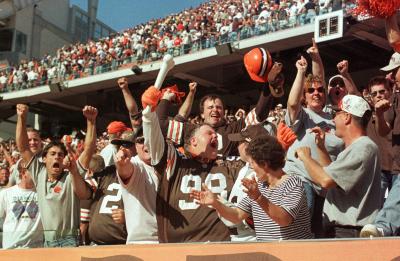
{"x":179,"y":218}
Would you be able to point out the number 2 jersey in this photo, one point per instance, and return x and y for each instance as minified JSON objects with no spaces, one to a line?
{"x":179,"y":218}
{"x":108,"y":196}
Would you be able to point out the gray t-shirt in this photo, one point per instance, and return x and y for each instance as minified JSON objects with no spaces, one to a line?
{"x":357,"y":198}
{"x":306,"y":120}
{"x":58,"y":204}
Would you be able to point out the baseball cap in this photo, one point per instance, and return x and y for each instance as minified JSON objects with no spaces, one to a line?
{"x":354,"y":105}
{"x":393,"y":63}
{"x":127,"y":139}
{"x":115,"y":127}
{"x":249,"y":133}
{"x":335,"y":80}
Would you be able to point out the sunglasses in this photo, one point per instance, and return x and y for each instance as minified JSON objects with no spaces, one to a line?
{"x":139,"y":140}
{"x":336,"y":113}
{"x":127,"y":145}
{"x":381,"y":92}
{"x":311,"y":90}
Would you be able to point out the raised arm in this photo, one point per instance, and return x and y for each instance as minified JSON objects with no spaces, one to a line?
{"x":383,"y":126}
{"x":317,"y":65}
{"x":125,"y":168}
{"x":163,"y":108}
{"x":393,"y":32}
{"x":153,"y":136}
{"x":7,"y":155}
{"x":274,"y":89}
{"x":186,"y":107}
{"x":296,"y":93}
{"x":343,"y":68}
{"x":90,"y":114}
{"x":21,"y":135}
{"x":81,"y":188}
{"x":130,"y":102}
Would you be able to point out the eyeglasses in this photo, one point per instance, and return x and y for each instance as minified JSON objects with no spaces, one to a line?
{"x":381,"y":92}
{"x":311,"y":90}
{"x":139,"y":140}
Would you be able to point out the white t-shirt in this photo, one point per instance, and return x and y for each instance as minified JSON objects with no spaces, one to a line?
{"x":245,"y":233}
{"x":22,"y":225}
{"x":139,"y":197}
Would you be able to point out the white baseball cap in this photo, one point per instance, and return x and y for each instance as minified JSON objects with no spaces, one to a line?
{"x":354,"y":105}
{"x":393,"y":63}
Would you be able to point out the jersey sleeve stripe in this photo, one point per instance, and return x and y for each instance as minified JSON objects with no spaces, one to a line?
{"x":171,"y":161}
{"x":174,"y":132}
{"x":85,"y":215}
{"x":251,"y":118}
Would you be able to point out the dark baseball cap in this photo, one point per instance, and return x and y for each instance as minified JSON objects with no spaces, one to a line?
{"x":127,"y":139}
{"x":249,"y":133}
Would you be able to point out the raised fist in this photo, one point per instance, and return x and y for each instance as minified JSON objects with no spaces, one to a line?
{"x":90,"y":113}
{"x":122,"y":83}
{"x":22,"y":110}
{"x":343,"y":67}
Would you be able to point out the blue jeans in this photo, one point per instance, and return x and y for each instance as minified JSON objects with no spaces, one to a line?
{"x":387,"y":180}
{"x":68,"y":241}
{"x":388,"y":217}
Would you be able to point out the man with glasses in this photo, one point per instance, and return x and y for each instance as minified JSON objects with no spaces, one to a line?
{"x":380,"y":92}
{"x":301,"y":119}
{"x":139,"y":184}
{"x":387,"y":223}
{"x":352,"y":180}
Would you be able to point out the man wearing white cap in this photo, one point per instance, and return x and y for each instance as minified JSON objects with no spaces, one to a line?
{"x":353,"y":179}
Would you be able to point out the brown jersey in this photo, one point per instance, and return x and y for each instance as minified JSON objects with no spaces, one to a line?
{"x":179,"y":218}
{"x":108,"y":196}
{"x":177,"y":131}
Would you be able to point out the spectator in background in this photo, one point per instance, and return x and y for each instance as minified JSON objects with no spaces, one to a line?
{"x":114,"y":131}
{"x":35,"y":146}
{"x":387,"y":223}
{"x":19,"y":208}
{"x":4,"y":177}
{"x":381,"y":91}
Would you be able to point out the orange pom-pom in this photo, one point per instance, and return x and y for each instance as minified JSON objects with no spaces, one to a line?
{"x":151,"y":97}
{"x":377,"y":8}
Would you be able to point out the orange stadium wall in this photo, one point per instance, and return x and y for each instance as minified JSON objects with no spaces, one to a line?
{"x":361,"y":249}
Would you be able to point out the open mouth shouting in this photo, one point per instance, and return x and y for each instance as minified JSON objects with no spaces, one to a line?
{"x":214,"y":143}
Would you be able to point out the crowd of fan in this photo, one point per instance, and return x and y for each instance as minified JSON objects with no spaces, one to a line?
{"x":317,"y":168}
{"x":212,"y":23}
{"x":328,"y":151}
